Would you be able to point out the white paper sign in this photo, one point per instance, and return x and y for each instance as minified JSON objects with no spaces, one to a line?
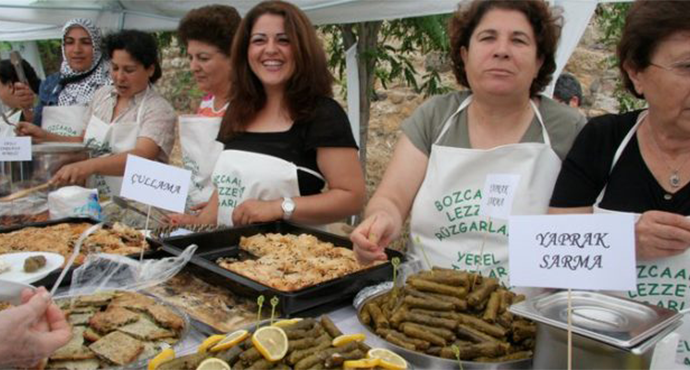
{"x":155,"y":184}
{"x":497,"y":196}
{"x":573,"y":251}
{"x":14,"y":149}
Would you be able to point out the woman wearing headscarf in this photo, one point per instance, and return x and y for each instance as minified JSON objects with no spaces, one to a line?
{"x":63,"y":96}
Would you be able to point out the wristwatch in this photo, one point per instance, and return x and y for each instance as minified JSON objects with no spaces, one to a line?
{"x":288,"y":207}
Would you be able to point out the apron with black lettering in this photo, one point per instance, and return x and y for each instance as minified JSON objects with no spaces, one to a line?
{"x":65,"y":120}
{"x":200,"y":150}
{"x":445,"y":214}
{"x":662,"y":282}
{"x":240,"y":175}
{"x":105,"y":139}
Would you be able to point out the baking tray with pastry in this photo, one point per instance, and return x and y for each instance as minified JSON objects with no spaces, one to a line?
{"x":303,"y":266}
{"x":58,"y":236}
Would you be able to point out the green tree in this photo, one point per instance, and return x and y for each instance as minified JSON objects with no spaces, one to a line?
{"x":385,"y":50}
{"x":611,"y":19}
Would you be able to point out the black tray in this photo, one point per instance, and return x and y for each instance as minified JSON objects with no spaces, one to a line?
{"x":50,"y":280}
{"x":225,"y":243}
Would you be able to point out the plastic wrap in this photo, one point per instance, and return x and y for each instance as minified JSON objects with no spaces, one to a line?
{"x":103,"y":271}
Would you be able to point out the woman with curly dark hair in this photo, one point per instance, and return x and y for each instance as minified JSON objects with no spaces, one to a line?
{"x":207,"y":34}
{"x":285,"y":137}
{"x":128,"y":117}
{"x":503,"y":51}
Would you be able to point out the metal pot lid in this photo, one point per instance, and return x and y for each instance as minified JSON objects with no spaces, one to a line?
{"x":610,"y":319}
{"x":58,"y":147}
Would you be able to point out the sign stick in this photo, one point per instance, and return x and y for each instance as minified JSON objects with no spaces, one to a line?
{"x":146,"y":229}
{"x":421,"y":246}
{"x":481,"y":258}
{"x":570,"y":330}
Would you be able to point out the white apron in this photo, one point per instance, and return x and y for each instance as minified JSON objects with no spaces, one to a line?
{"x":8,"y":130}
{"x":662,"y":282}
{"x":240,"y":175}
{"x":445,"y":214}
{"x":64,"y":120}
{"x":104,"y":139}
{"x":200,"y":150}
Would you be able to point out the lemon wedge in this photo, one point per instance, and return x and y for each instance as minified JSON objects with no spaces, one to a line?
{"x":271,"y":342}
{"x":389,"y":360}
{"x":366,"y":363}
{"x":213,"y":364}
{"x":209,"y":342}
{"x":164,"y":356}
{"x":231,"y":340}
{"x":287,"y":322}
{"x":347,"y":338}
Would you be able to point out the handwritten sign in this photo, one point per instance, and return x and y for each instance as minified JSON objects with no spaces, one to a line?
{"x":155,"y":184}
{"x":14,"y":149}
{"x":497,"y":199}
{"x":573,"y":251}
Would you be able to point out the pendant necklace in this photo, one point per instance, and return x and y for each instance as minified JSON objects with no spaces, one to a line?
{"x":674,"y":177}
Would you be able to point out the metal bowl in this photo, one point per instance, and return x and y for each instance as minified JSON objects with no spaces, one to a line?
{"x":424,"y":361}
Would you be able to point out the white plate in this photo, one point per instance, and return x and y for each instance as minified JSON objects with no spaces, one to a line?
{"x":11,"y":291}
{"x":16,"y":261}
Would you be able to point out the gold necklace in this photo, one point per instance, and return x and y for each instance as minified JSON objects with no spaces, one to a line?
{"x":674,"y":178}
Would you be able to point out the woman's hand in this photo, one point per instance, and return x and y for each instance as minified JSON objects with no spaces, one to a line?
{"x":372,"y":236}
{"x":253,"y":211}
{"x":661,"y":234}
{"x":23,"y":96}
{"x":38,"y":135}
{"x":32,"y":331}
{"x":179,"y":219}
{"x":73,"y":174}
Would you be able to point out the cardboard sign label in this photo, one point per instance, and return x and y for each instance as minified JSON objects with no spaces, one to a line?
{"x":573,"y":251}
{"x":14,"y":149}
{"x":155,"y":184}
{"x":497,"y":197}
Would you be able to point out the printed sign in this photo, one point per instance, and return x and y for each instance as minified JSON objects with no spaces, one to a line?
{"x":14,"y":149}
{"x":573,"y":251}
{"x":497,"y":199}
{"x":155,"y":184}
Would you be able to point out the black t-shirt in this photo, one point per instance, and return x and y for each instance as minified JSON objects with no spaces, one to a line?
{"x":328,"y":127}
{"x":630,"y":187}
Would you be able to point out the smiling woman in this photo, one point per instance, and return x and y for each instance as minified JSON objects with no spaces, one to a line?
{"x":503,"y":51}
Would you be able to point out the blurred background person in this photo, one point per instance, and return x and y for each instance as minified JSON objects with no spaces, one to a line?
{"x":568,"y":90}
{"x":637,"y":162}
{"x":207,"y":34}
{"x":19,"y":106}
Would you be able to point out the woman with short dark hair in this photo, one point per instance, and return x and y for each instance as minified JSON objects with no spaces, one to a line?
{"x":8,"y":87}
{"x":637,"y":162}
{"x":129,"y":117}
{"x":503,"y":51}
{"x":285,"y":138}
{"x":207,"y":34}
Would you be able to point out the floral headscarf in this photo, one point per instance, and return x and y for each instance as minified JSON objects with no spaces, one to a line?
{"x":78,"y":87}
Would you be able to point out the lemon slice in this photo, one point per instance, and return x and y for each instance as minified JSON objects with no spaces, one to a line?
{"x":367,"y":363}
{"x":164,"y":356}
{"x":347,"y":338}
{"x":287,"y":322}
{"x":271,"y":342}
{"x":209,"y":342}
{"x":213,"y":364}
{"x":231,"y":340}
{"x":389,"y":360}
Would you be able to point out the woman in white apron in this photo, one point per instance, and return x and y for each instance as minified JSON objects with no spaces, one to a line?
{"x":453,"y":142}
{"x":284,"y":137}
{"x":15,"y":103}
{"x":64,"y":96}
{"x":207,"y":33}
{"x":129,"y":117}
{"x":637,"y":162}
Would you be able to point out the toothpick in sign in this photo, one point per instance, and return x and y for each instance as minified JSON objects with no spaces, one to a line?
{"x":570,"y":329}
{"x":146,"y":227}
{"x":481,"y":257}
{"x":260,"y":302}
{"x":456,"y":351}
{"x":418,"y":241}
{"x":274,"y":303}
